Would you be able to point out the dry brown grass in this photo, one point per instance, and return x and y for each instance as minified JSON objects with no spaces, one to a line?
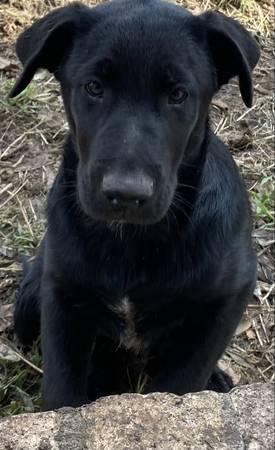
{"x":257,"y":15}
{"x":32,"y":129}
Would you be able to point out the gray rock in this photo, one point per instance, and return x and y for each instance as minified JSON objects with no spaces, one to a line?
{"x":241,"y":420}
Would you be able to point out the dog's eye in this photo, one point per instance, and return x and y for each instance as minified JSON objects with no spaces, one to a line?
{"x":177,"y":95}
{"x":94,"y":88}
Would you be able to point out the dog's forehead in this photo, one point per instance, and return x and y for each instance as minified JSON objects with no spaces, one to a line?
{"x":122,"y":8}
{"x":157,"y":26}
{"x":137,"y":38}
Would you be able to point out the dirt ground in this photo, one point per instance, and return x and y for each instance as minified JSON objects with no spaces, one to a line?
{"x":32,"y":129}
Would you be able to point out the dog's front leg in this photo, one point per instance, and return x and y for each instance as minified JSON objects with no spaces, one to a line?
{"x":192,"y":354}
{"x":67,"y":335}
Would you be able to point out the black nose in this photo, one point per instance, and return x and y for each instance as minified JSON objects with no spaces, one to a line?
{"x":130,"y":190}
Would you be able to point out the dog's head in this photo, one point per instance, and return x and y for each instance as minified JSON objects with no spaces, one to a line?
{"x":137,"y":77}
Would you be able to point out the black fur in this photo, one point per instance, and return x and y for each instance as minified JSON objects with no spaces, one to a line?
{"x":148,"y":210}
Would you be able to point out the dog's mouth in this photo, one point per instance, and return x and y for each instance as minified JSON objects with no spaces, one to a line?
{"x":124,"y":217}
{"x":117,"y":215}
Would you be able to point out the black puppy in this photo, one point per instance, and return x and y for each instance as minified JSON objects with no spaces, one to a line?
{"x":147,"y":264}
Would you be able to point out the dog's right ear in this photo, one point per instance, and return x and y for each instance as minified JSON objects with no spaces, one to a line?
{"x":47,"y":42}
{"x":233,"y":50}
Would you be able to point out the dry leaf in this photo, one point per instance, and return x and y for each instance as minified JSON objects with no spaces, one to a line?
{"x":5,"y":283}
{"x":4,"y":63}
{"x":220,"y":104}
{"x":7,"y":252}
{"x":264,"y":237}
{"x":227,"y":368}
{"x":6,"y":317}
{"x":14,"y":267}
{"x":243,"y":326}
{"x":250,"y":335}
{"x":7,"y":353}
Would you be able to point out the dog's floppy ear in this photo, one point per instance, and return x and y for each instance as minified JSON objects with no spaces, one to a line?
{"x":46,"y":43}
{"x":233,"y":50}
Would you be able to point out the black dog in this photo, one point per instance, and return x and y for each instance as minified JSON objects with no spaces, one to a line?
{"x":147,"y":264}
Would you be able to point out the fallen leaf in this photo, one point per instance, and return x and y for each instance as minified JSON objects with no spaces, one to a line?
{"x":7,"y":353}
{"x":7,"y":252}
{"x":243,"y":326}
{"x":6,"y":317}
{"x":41,"y":75}
{"x":26,"y":399}
{"x":264,"y":237}
{"x":14,"y":267}
{"x":250,"y":335}
{"x":4,"y":63}
{"x":227,"y":368}
{"x":220,"y":104}
{"x":5,"y":283}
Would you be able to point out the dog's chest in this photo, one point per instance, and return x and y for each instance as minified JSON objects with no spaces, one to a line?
{"x":129,"y":338}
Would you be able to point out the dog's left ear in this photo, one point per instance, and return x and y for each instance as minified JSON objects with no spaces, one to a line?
{"x":233,"y":51}
{"x":47,"y":42}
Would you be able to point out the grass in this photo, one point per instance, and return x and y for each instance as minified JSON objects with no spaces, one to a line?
{"x":23,"y":102}
{"x":23,"y":237}
{"x":20,"y":384}
{"x":241,"y":4}
{"x":263,"y":201}
{"x":29,"y":102}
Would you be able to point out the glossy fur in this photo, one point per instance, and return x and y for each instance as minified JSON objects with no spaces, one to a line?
{"x":153,"y":288}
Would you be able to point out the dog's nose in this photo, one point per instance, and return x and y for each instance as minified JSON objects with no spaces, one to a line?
{"x":130,"y":190}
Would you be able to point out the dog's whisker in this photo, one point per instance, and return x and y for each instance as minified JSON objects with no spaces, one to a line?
{"x":178,"y":198}
{"x":188,"y":186}
{"x":167,"y":221}
{"x":186,"y":164}
{"x":171,"y":214}
{"x":69,"y":185}
{"x":67,"y":169}
{"x":69,"y":196}
{"x":117,"y":228}
{"x":175,"y":204}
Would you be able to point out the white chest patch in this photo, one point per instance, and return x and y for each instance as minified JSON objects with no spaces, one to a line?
{"x":129,"y":338}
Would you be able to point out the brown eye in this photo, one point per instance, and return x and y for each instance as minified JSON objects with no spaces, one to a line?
{"x":94,"y":88}
{"x":177,"y":95}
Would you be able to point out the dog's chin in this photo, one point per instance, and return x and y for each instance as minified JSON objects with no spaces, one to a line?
{"x":142,"y":218}
{"x":125,"y":218}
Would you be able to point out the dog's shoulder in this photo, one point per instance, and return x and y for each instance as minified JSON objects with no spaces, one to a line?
{"x":222,"y":186}
{"x":222,"y":215}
